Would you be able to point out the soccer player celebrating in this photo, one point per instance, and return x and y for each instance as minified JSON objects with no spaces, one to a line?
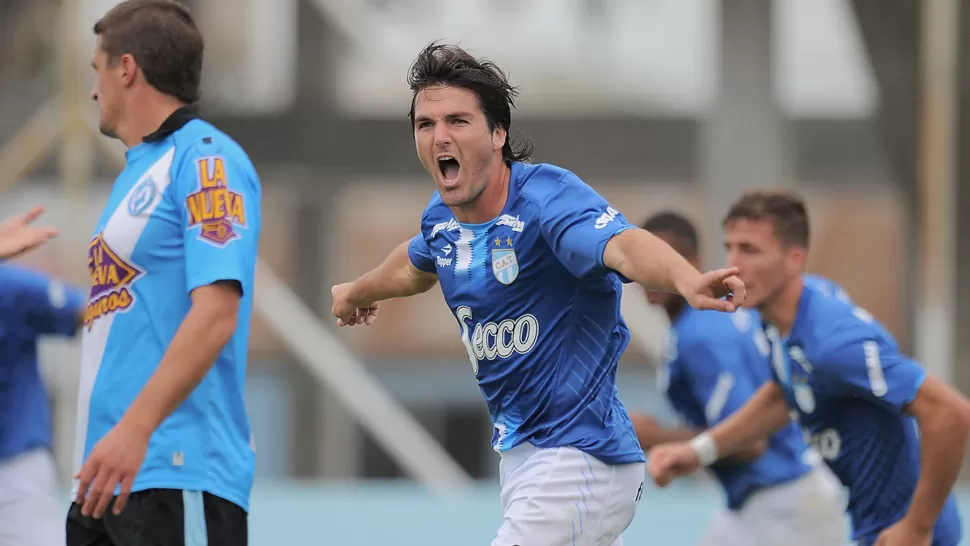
{"x":18,"y":236}
{"x":32,"y":305}
{"x":842,"y":372}
{"x":530,"y":261}
{"x":778,"y":491}
{"x":163,"y":443}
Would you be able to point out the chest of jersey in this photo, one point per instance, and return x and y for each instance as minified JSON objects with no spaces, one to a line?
{"x":499,"y":270}
{"x":502,"y":283}
{"x":139,"y":232}
{"x":821,"y":420}
{"x":794,"y":371}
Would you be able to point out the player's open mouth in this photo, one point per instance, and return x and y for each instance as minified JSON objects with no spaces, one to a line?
{"x":449,"y":168}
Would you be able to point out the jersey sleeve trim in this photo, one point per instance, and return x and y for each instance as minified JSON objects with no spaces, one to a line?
{"x":419,"y":254}
{"x":600,"y":252}
{"x":430,"y":269}
{"x":917,"y":385}
{"x":216,"y":276}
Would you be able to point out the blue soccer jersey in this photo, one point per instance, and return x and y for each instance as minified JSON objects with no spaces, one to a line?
{"x":716,"y":362}
{"x":538,"y":312}
{"x":184,"y":213}
{"x":843,"y":373}
{"x":32,"y":305}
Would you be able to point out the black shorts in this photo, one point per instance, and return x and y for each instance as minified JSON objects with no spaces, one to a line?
{"x":162,"y":517}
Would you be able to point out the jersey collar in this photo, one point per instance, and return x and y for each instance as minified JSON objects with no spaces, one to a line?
{"x":173,"y":123}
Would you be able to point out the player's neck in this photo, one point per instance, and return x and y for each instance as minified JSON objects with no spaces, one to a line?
{"x":783,"y":308}
{"x":492,"y":200}
{"x":144,"y":114}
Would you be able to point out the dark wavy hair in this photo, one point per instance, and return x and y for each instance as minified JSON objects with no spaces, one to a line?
{"x":442,"y":64}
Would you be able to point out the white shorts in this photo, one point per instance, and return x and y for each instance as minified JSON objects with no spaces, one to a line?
{"x":564,"y":497}
{"x":809,"y":510}
{"x":30,"y":511}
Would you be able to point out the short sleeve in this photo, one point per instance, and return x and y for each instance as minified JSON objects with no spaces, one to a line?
{"x":420,"y":254}
{"x":717,"y":380}
{"x":218,"y":192}
{"x":577,"y":223}
{"x":47,"y":306}
{"x":869,"y":368}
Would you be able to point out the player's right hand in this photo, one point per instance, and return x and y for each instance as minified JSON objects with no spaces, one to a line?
{"x":18,"y":236}
{"x":666,"y":462}
{"x":350,"y":313}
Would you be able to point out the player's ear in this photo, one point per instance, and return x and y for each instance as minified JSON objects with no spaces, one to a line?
{"x":127,"y":68}
{"x":795,"y":259}
{"x":499,"y":135}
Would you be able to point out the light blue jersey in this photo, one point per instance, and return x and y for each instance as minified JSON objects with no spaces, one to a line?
{"x":32,"y":305}
{"x":538,"y":312}
{"x":716,"y":363}
{"x":184,"y":213}
{"x":843,"y":373}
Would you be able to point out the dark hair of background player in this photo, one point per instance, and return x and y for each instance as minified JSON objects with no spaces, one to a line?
{"x":163,"y":39}
{"x":677,"y":228}
{"x":784,"y":209}
{"x":450,"y":65}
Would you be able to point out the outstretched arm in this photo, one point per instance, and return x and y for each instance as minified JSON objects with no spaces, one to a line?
{"x":765,"y":414}
{"x":944,"y":423}
{"x":648,"y":261}
{"x":762,"y":416}
{"x":588,"y":236}
{"x":397,"y":277}
{"x":651,"y":434}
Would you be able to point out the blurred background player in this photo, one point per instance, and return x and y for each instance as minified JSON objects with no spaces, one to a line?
{"x":163,"y":444}
{"x":873,"y":413}
{"x":32,"y":305}
{"x":18,"y":236}
{"x":529,"y":259}
{"x":778,"y":491}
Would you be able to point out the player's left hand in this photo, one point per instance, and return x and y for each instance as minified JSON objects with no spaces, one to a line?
{"x":115,"y":459}
{"x":904,"y":533}
{"x":708,"y":291}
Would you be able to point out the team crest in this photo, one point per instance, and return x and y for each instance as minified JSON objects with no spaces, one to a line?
{"x":505,"y":265}
{"x":142,"y":197}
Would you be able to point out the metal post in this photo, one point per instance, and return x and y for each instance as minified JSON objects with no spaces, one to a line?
{"x":76,"y":141}
{"x":936,"y":309}
{"x":744,"y":137}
